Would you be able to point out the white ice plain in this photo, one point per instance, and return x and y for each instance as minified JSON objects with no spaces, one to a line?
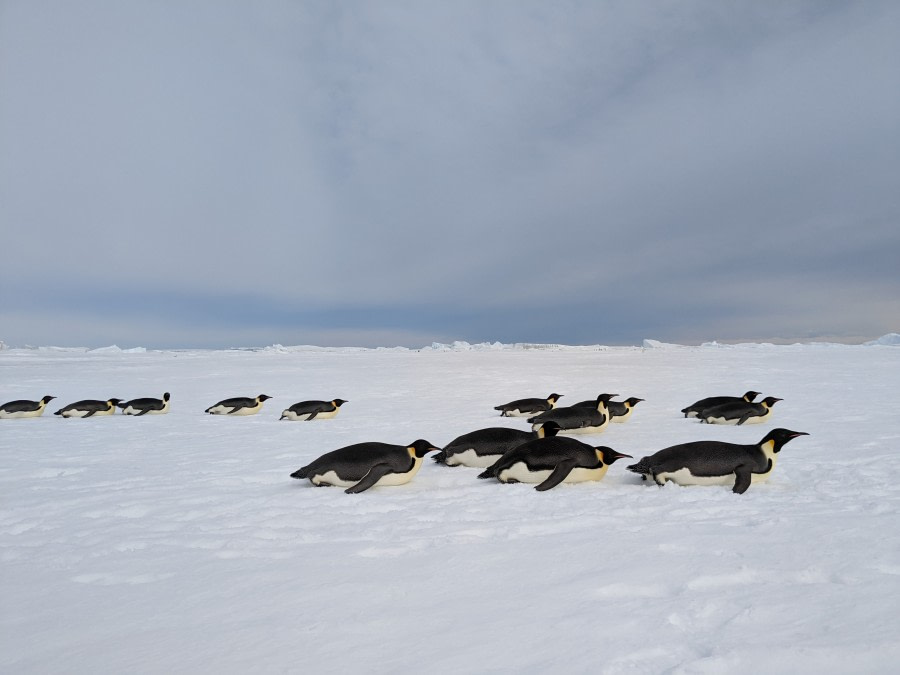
{"x":179,"y":544}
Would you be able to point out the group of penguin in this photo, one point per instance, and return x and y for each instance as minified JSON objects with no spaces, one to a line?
{"x":545,"y":458}
{"x":541,"y":456}
{"x":304,"y":410}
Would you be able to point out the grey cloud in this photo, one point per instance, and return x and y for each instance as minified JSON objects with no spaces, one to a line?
{"x":465,"y":167}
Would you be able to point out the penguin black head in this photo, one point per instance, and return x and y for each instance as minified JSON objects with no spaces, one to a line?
{"x":750,"y":395}
{"x":338,"y":402}
{"x":166,"y":397}
{"x":779,"y":437}
{"x":263,"y":397}
{"x":610,"y":455}
{"x":554,"y":397}
{"x":114,"y":401}
{"x":633,"y":401}
{"x":605,"y":398}
{"x":422,"y":447}
{"x":548,"y":429}
{"x":47,"y":399}
{"x":769,"y":401}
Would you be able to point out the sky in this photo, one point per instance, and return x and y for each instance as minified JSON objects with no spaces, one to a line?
{"x":220,"y":174}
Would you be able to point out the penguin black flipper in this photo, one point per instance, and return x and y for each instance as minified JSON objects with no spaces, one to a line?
{"x":557,"y":476}
{"x":744,"y":476}
{"x":746,"y":416}
{"x":312,"y":416}
{"x":375,"y":474}
{"x":90,"y":414}
{"x":143,"y":412}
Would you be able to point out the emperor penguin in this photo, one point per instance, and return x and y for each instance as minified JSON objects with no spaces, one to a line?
{"x":313,"y":410}
{"x":740,"y":413}
{"x":89,"y":408}
{"x":363,"y":465}
{"x":525,"y":407}
{"x":238,"y":406}
{"x":16,"y":409}
{"x":619,"y":411}
{"x":551,"y":461}
{"x":716,"y":462}
{"x":146,"y":406}
{"x":573,"y":420}
{"x":483,"y":447}
{"x":694,"y":409}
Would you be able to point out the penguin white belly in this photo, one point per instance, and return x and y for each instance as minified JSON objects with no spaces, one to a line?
{"x":226,"y":410}
{"x":470,"y":458}
{"x":20,"y":414}
{"x":520,"y":472}
{"x":722,"y":420}
{"x":401,"y":478}
{"x":693,"y":413}
{"x":331,"y":478}
{"x":137,"y":411}
{"x":621,"y":418}
{"x":303,"y":417}
{"x":519,"y":413}
{"x":685,"y":477}
{"x":750,"y":420}
{"x":582,"y":475}
{"x":85,"y":413}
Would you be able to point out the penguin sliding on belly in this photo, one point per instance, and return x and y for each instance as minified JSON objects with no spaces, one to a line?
{"x":525,"y":407}
{"x":574,"y":420}
{"x":238,"y":406}
{"x":482,"y":448}
{"x":551,"y":461}
{"x":146,"y":406}
{"x":695,"y":409}
{"x":364,"y":465}
{"x":89,"y":408}
{"x":740,"y":413}
{"x":313,"y":410}
{"x":619,"y":411}
{"x":19,"y":409}
{"x":715,"y":462}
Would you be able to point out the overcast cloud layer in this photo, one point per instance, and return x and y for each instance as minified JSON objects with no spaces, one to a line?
{"x":235,"y":174}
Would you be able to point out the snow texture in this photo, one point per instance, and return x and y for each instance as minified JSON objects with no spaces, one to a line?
{"x":179,"y":543}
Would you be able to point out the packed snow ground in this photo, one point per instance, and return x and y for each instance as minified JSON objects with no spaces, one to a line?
{"x":179,"y":543}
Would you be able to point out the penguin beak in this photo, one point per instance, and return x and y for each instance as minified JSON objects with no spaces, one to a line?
{"x":620,"y":455}
{"x":799,"y":433}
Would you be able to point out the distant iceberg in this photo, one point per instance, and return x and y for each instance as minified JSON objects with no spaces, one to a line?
{"x":891,"y":339}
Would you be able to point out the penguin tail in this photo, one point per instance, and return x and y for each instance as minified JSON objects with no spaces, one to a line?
{"x":440,"y":458}
{"x":487,"y":473}
{"x":641,"y":467}
{"x":300,"y":473}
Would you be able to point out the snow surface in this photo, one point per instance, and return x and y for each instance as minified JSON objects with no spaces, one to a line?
{"x":179,"y":543}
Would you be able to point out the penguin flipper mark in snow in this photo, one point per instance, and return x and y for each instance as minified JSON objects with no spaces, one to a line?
{"x":744,"y":475}
{"x":375,"y":474}
{"x":557,"y":476}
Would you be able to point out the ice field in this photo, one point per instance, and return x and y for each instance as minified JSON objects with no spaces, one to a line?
{"x":178,"y":543}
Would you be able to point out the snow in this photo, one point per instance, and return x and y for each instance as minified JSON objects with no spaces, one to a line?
{"x":179,"y":543}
